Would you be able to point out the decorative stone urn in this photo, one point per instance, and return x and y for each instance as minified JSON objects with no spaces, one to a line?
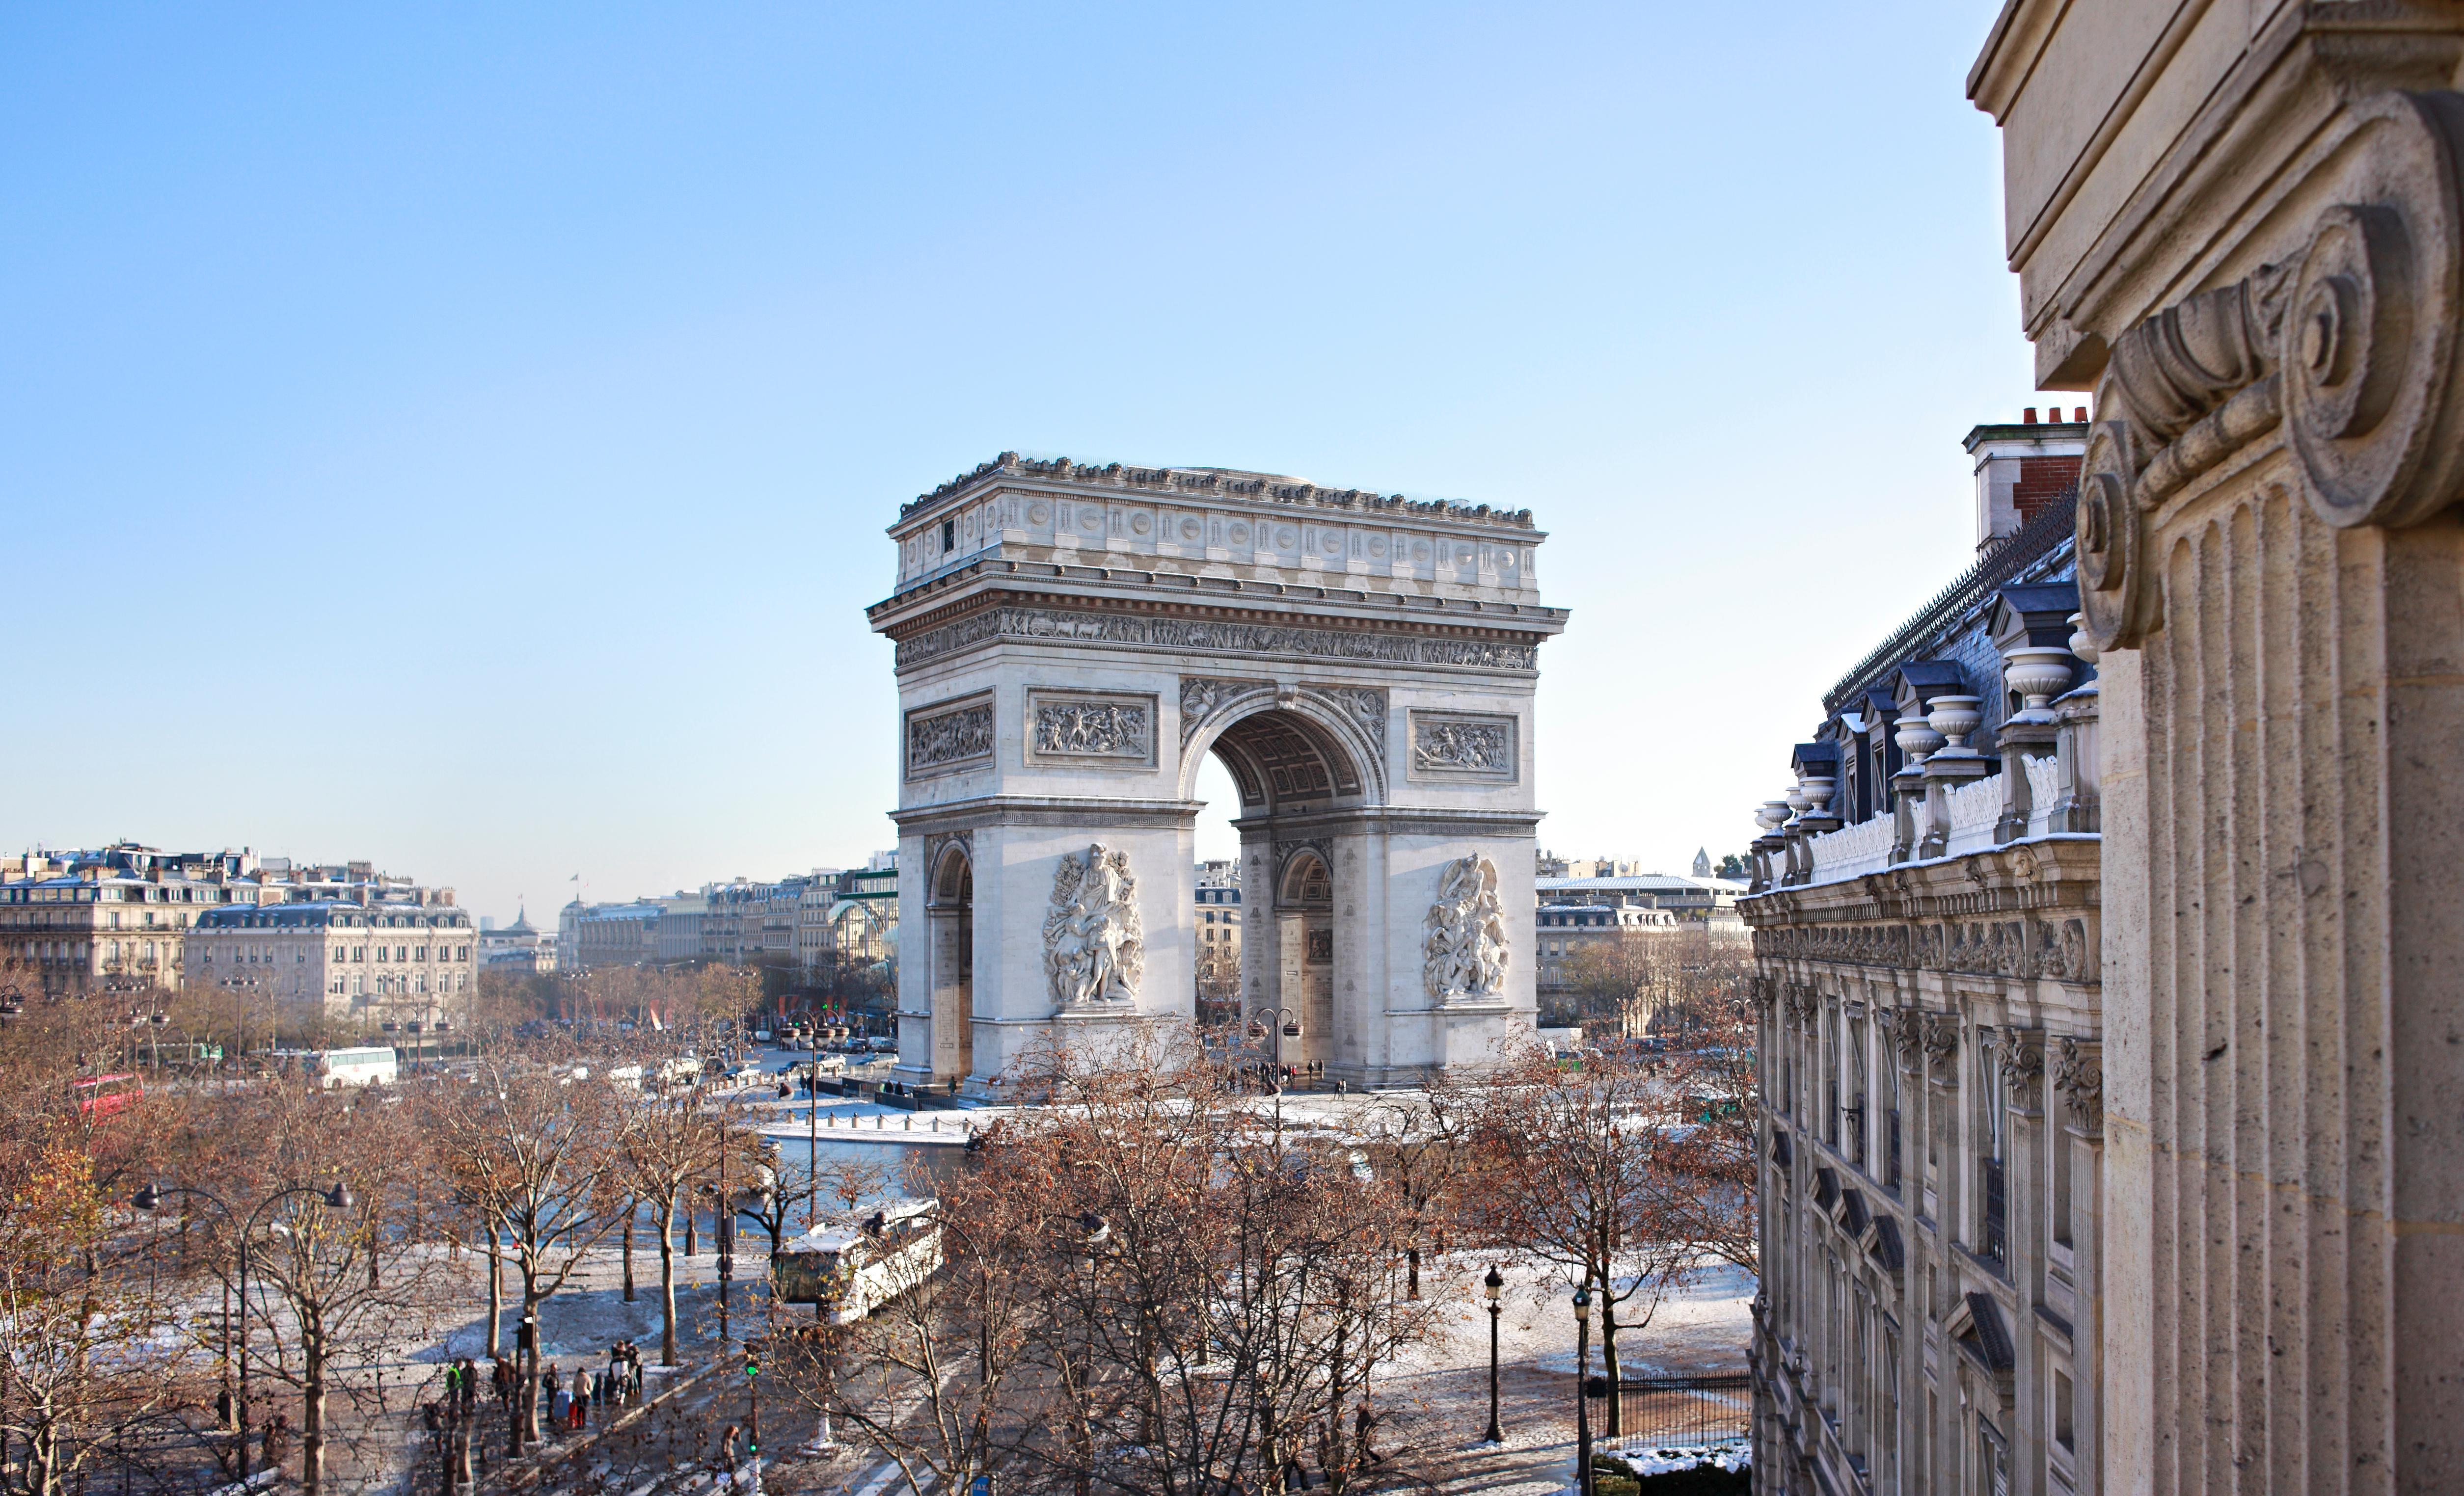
{"x":1915,"y":736}
{"x":2039,"y":675}
{"x":1773,"y":815}
{"x":2080,"y":645}
{"x":1818,"y":789}
{"x":1954,"y":718}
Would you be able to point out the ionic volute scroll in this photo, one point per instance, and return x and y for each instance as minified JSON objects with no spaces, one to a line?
{"x":2350,"y":344}
{"x":2023,"y":1069}
{"x":1908,"y":1040}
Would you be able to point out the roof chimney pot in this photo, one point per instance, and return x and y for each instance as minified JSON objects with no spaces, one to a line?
{"x":2027,"y":417}
{"x":2082,"y":416}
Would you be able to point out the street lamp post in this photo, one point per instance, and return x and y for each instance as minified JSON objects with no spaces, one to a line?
{"x":726,"y":1228}
{"x":813,"y":1143}
{"x":1582,"y":1391}
{"x":1281,"y":1023}
{"x":151,"y":1197}
{"x":1494,"y":1285}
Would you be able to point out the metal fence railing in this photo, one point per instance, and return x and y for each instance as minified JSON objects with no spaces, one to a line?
{"x":2039,"y":537}
{"x":1678,"y":1410}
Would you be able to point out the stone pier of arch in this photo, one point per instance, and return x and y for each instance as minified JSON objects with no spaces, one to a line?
{"x":1073,"y":642}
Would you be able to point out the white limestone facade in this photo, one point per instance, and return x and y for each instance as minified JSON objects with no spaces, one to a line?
{"x":1074,"y":641}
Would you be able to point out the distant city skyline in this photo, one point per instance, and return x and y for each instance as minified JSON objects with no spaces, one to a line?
{"x":486,"y":427}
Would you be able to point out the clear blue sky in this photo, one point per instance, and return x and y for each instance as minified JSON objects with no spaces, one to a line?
{"x":461,"y":436}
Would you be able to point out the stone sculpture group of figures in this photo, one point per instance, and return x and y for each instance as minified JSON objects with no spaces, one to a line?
{"x":1467,"y":940}
{"x":1091,"y":728}
{"x":1463,"y":745}
{"x":1095,"y":949}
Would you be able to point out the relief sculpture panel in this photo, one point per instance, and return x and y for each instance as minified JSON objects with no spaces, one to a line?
{"x":1094,"y":947}
{"x":943,"y":741}
{"x":1463,"y":746}
{"x":1079,"y":726}
{"x":1466,"y":934}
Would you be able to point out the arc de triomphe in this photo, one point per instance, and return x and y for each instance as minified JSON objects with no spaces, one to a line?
{"x":1074,"y":641}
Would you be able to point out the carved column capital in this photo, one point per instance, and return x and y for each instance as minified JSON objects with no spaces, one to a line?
{"x":2078,"y":1074}
{"x":2351,"y":350}
{"x":1941,"y":1043}
{"x":2023,"y":1067}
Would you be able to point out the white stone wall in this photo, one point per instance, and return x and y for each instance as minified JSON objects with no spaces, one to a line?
{"x":1038,"y":723}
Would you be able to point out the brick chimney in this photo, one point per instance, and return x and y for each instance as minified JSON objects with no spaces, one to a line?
{"x":2023,"y":468}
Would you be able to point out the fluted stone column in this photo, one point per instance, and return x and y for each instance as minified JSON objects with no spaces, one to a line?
{"x":2241,"y":226}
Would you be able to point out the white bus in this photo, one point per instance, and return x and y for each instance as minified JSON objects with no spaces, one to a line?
{"x":333,"y":1067}
{"x":849,"y":1270}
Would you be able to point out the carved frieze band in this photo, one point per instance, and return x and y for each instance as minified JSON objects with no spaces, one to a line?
{"x":947,"y":739}
{"x":2346,"y":349}
{"x":2056,"y":949}
{"x":1062,"y":625}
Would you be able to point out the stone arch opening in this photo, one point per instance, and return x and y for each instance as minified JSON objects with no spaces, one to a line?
{"x":950,"y":929}
{"x":1285,"y":760}
{"x":1305,"y":938}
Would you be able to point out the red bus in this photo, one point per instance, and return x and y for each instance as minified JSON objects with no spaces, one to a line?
{"x":100,"y":1096}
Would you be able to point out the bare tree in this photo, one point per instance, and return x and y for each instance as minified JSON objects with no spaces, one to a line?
{"x":1568,"y":1171}
{"x":539,"y":1150}
{"x":325,"y":1179}
{"x":66,"y":1390}
{"x":669,"y":1152}
{"x":1152,"y":1287}
{"x":1417,"y":1142}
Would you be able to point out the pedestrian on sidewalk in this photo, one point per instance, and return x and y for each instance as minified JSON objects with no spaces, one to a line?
{"x":580,"y":1398}
{"x":469,"y":1386}
{"x":727,"y":1447}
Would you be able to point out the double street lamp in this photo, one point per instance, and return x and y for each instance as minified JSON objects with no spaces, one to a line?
{"x":152,"y":1196}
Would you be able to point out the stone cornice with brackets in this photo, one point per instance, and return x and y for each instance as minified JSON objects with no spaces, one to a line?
{"x":2028,"y":909}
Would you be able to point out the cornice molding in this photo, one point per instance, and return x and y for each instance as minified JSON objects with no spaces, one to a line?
{"x":1062,"y":475}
